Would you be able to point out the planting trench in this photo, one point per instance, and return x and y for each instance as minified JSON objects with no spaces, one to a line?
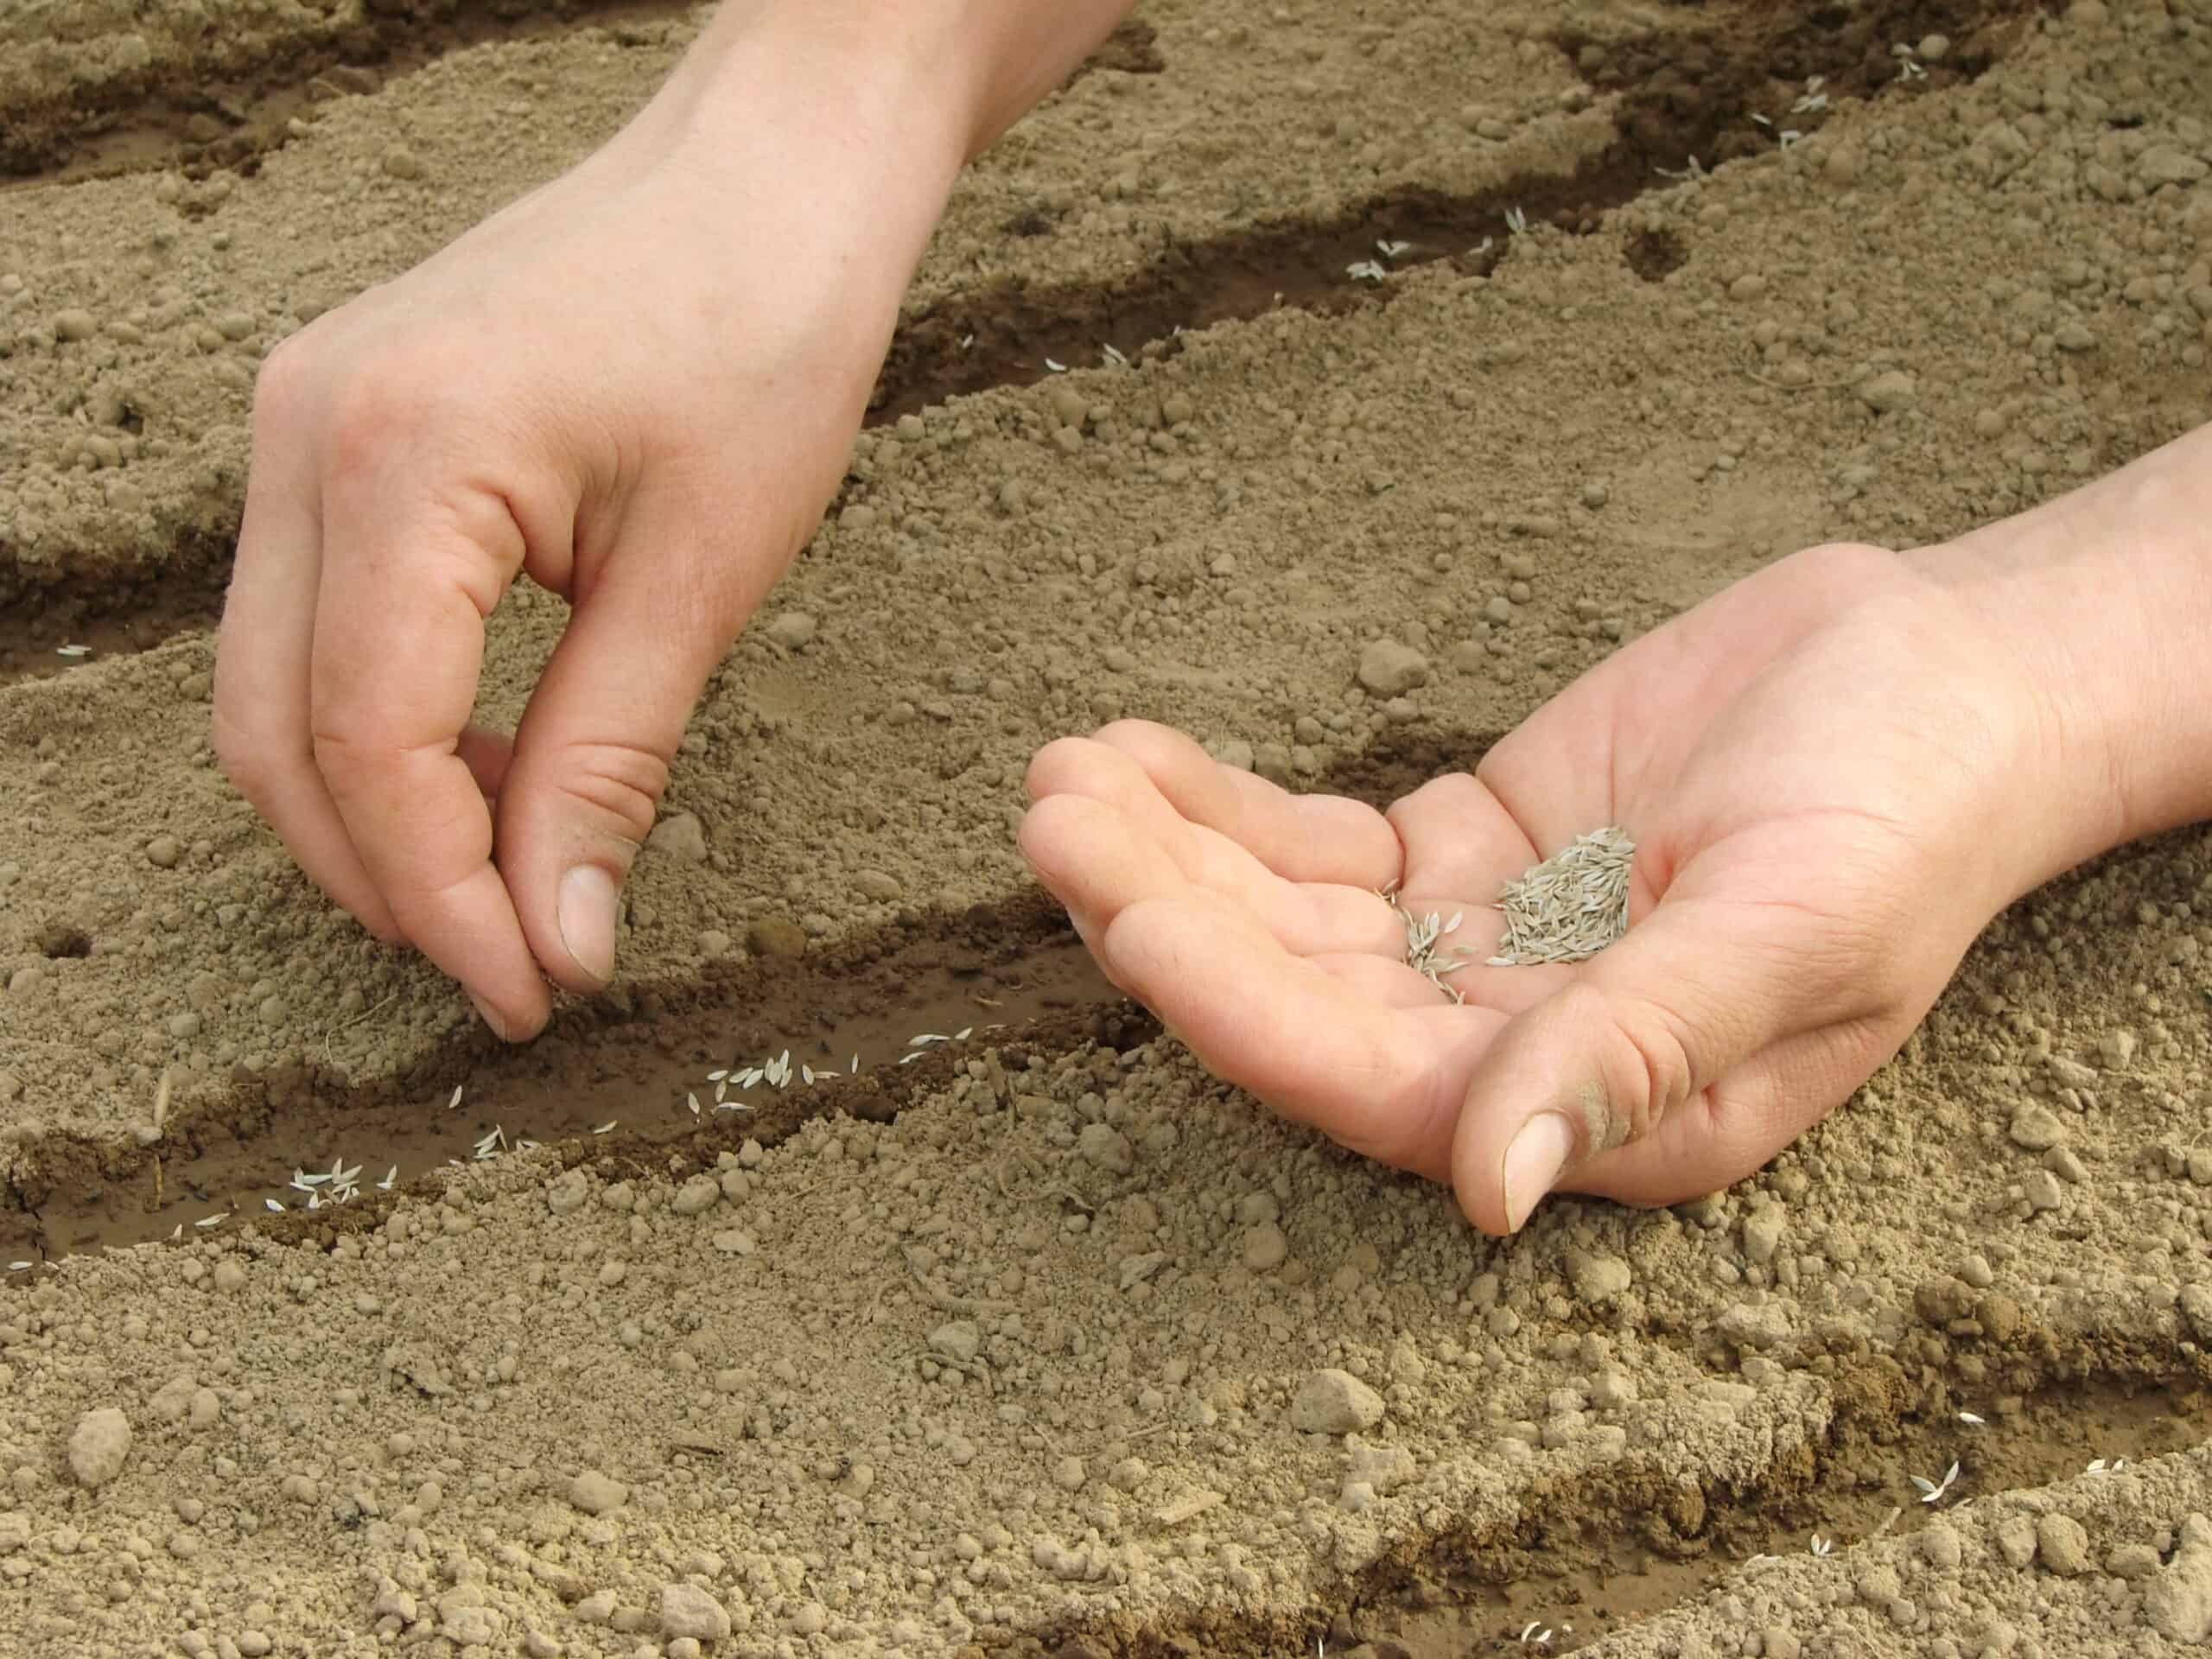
{"x":451,"y":1358}
{"x":1685,"y":97}
{"x":1598,"y":1557}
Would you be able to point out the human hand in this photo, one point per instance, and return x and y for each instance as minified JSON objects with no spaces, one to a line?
{"x":1823,"y":768}
{"x":639,"y":384}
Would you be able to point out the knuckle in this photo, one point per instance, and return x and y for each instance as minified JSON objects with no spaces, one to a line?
{"x":1047,"y":825}
{"x":283,"y":386}
{"x":337,"y":754}
{"x":618,"y":783}
{"x":240,"y":757}
{"x":373,"y":412}
{"x":1858,"y":565}
{"x":1454,"y":792}
{"x":1054,"y":767}
{"x":1649,"y":1067}
{"x":1150,"y":745}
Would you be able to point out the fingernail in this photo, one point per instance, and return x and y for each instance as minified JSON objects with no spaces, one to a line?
{"x":1533,"y":1164}
{"x":484,"y":1011}
{"x":585,"y":912}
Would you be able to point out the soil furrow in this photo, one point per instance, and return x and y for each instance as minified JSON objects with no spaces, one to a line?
{"x":1050,"y":1342}
{"x":1609,"y":1551}
{"x":178,"y":114}
{"x":1682,"y":96}
{"x":1012,"y":973}
{"x":232,"y":103}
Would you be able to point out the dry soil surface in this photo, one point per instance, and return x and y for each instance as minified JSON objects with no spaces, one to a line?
{"x":1043,"y":1341}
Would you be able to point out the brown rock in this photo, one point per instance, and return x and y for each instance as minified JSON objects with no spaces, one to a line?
{"x":774,"y":935}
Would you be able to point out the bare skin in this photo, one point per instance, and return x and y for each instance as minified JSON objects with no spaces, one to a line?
{"x":1837,"y":771}
{"x":1823,"y":766}
{"x":661,"y":481}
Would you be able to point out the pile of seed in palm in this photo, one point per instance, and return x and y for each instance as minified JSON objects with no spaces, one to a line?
{"x":1571,"y":905}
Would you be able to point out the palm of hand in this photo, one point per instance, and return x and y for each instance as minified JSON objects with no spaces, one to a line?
{"x":1801,"y":762}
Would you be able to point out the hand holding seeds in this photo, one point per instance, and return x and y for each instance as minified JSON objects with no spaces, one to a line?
{"x":1833,"y":773}
{"x":1793,"y":761}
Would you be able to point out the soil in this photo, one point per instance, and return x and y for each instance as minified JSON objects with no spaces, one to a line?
{"x":996,"y":1349}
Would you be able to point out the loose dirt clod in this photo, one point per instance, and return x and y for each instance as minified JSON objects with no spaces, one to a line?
{"x":1335,"y":1403}
{"x":98,"y":1447}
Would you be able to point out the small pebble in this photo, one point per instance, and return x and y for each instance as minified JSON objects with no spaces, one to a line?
{"x":1334,"y":1402}
{"x":2063,"y":1545}
{"x":962,"y":1340}
{"x":597,"y":1493}
{"x":2035,"y":1128}
{"x":1387,"y":668}
{"x":774,"y":935}
{"x":688,"y":1611}
{"x":1265,"y":1248}
{"x":1596,"y":1278}
{"x":681,"y":836}
{"x":1890,"y":392}
{"x":792,"y":630}
{"x":1103,"y":1147}
{"x":98,"y":1447}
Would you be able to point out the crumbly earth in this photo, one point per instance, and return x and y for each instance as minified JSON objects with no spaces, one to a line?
{"x":1081,"y":1353}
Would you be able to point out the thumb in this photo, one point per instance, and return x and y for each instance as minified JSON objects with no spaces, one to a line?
{"x":591,"y":758}
{"x":1633,"y":1048}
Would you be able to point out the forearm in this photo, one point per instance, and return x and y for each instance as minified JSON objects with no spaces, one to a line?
{"x":2108,"y":591}
{"x":850,"y":119}
{"x":951,"y":75}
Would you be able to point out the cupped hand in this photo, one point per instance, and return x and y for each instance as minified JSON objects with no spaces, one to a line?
{"x":639,"y":385}
{"x":1823,"y":768}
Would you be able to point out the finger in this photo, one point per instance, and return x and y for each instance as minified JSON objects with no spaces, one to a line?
{"x":1096,"y":863}
{"x":261,"y":664}
{"x":1386,"y":983}
{"x":592,"y":757}
{"x":1643,"y":1032}
{"x":1733,"y":1129}
{"x":1307,"y":915}
{"x":1459,"y":839}
{"x":1384,"y":1081}
{"x":1084,"y":765}
{"x":400,"y":640}
{"x":487,"y":754}
{"x":1300,"y":837}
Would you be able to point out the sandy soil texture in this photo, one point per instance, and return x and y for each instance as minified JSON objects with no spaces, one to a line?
{"x":1043,"y":1343}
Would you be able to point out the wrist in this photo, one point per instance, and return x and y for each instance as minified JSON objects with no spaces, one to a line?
{"x":2104,"y":599}
{"x":857,"y":112}
{"x":931,"y":83}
